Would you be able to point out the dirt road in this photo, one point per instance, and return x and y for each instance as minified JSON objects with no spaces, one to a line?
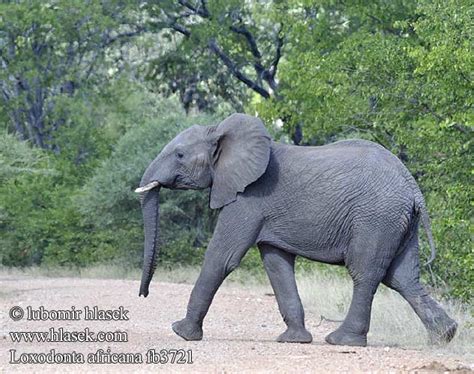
{"x":239,"y":332}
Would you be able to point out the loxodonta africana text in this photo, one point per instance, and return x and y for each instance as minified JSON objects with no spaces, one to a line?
{"x":350,"y":203}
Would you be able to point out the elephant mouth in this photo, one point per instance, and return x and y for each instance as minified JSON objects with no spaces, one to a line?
{"x":182,"y":182}
{"x":147,"y":187}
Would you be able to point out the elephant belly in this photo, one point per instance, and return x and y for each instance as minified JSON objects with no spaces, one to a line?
{"x":306,"y":243}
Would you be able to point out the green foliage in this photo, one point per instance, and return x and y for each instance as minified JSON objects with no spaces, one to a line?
{"x":214,"y":47}
{"x":18,"y":157}
{"x":37,"y":221}
{"x":17,"y":161}
{"x":51,"y":51}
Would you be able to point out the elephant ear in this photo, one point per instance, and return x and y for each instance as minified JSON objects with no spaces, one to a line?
{"x":240,"y":155}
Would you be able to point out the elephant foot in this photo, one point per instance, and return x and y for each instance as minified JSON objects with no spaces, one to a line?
{"x":295,"y":335}
{"x":341,"y":337}
{"x":187,"y":329}
{"x":445,"y":335}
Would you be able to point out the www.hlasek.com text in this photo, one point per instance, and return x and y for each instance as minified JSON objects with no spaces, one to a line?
{"x":60,"y":335}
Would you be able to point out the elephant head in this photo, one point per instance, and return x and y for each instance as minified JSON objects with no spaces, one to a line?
{"x":227,"y":158}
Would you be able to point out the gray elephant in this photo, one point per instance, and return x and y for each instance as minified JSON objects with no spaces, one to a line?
{"x":350,"y":203}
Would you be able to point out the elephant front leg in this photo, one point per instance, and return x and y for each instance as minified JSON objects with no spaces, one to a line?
{"x":217,"y":265}
{"x":190,"y":327}
{"x":279,"y":266}
{"x":233,"y":236}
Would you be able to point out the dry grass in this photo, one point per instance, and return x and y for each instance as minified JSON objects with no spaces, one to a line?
{"x":98,"y":271}
{"x":393,"y":321}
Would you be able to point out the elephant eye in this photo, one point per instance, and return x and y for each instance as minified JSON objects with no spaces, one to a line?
{"x":179,"y":155}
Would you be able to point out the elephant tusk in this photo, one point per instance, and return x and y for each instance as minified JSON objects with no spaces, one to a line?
{"x":148,"y":187}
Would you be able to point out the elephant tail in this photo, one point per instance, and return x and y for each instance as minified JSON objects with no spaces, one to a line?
{"x":425,"y":221}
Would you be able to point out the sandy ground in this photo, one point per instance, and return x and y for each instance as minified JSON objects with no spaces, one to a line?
{"x":239,"y":332}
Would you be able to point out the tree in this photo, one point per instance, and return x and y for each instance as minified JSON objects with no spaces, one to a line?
{"x":48,"y":52}
{"x":215,"y":40}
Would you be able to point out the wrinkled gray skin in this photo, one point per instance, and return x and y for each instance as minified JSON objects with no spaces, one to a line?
{"x":349,"y":203}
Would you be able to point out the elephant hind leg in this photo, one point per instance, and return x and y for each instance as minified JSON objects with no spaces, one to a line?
{"x":403,"y":276}
{"x":367,"y":265}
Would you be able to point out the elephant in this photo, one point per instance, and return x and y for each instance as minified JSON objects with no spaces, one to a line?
{"x":351,"y":203}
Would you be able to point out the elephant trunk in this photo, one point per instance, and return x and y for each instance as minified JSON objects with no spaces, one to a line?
{"x":150,"y":210}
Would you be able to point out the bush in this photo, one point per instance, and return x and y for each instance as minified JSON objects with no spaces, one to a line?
{"x":23,"y":170}
{"x":38,"y":221}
